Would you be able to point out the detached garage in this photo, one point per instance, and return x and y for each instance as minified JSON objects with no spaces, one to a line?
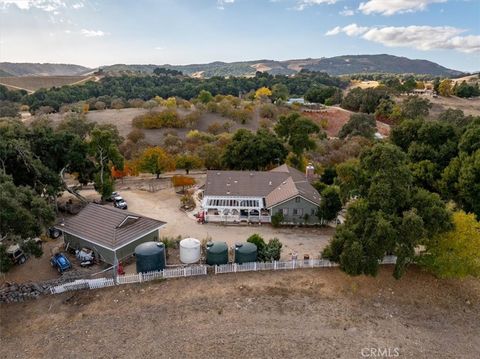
{"x":109,"y":232}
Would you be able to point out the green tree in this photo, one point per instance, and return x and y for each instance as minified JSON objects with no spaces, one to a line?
{"x":205,"y":97}
{"x":77,"y":124}
{"x":188,"y":161}
{"x":415,"y":107}
{"x":456,"y":253}
{"x":249,"y":151}
{"x":296,"y":131}
{"x":280,"y":92}
{"x":391,"y":215}
{"x":454,"y":117}
{"x":359,"y":124}
{"x":24,"y":213}
{"x":320,"y":94}
{"x":460,"y":181}
{"x":330,"y":203}
{"x":445,"y":88}
{"x":103,"y":146}
{"x":155,"y":160}
{"x":5,"y":260}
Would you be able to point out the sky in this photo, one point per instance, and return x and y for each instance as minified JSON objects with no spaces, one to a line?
{"x":105,"y":32}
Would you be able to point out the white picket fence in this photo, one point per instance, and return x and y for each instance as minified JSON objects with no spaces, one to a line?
{"x":130,"y":278}
{"x":83,"y":284}
{"x":294,"y":264}
{"x":198,"y":270}
{"x":261,"y":266}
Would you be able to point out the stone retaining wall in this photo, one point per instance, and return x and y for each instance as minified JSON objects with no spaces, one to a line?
{"x":20,"y":292}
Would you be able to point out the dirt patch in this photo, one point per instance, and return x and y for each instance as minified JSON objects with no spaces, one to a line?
{"x":335,"y":118}
{"x":318,"y":313}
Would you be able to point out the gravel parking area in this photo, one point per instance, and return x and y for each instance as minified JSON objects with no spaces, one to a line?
{"x":164,"y":205}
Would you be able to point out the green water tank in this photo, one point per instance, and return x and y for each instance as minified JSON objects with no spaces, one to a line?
{"x":150,"y":256}
{"x":217,"y":253}
{"x":245,"y":252}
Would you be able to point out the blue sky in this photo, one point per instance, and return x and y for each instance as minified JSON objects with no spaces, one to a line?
{"x":102,"y":32}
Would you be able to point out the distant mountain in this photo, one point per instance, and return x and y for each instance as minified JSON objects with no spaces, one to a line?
{"x":339,"y":65}
{"x":31,"y":69}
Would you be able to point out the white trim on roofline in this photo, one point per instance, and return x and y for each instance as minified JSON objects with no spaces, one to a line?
{"x":289,"y":198}
{"x":100,"y":245}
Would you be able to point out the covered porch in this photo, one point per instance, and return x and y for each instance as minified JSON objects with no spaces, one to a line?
{"x":235,"y":210}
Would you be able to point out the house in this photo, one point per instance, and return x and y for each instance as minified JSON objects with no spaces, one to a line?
{"x":110,"y":232}
{"x":255,"y":196}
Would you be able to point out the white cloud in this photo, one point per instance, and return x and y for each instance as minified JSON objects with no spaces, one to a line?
{"x":418,"y":37}
{"x":347,"y":12}
{"x":159,"y":48}
{"x":390,"y":7}
{"x":221,"y":3}
{"x":92,"y":33}
{"x":350,"y":30}
{"x":302,"y":4}
{"x":45,"y":5}
{"x":78,"y":5}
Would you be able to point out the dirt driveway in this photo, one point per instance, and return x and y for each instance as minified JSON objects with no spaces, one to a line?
{"x":318,"y":313}
{"x":164,"y":205}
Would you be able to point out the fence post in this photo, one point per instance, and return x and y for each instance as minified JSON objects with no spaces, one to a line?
{"x":274,"y":265}
{"x":235,"y":267}
{"x":140,"y":277}
{"x":255,"y":266}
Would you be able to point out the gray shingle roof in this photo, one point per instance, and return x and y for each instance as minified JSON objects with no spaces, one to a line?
{"x":108,"y":226}
{"x":277,"y":185}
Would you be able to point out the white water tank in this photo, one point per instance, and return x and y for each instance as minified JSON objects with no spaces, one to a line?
{"x":189,"y":250}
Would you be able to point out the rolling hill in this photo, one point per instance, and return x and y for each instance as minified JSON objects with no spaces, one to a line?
{"x":37,"y":69}
{"x":339,"y":65}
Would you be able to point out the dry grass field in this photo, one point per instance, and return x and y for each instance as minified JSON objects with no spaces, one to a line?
{"x":310,"y":313}
{"x":468,"y":106}
{"x":123,"y":120}
{"x":34,"y":83}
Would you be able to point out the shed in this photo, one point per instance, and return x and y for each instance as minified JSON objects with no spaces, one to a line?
{"x":109,"y":232}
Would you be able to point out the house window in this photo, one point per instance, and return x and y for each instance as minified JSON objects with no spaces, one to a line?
{"x":285,"y":211}
{"x":298,"y":211}
{"x":297,"y":200}
{"x":312,"y":211}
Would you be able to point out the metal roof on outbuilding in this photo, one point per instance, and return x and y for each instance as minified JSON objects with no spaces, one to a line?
{"x":109,"y":227}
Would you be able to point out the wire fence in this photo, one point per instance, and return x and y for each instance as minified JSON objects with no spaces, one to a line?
{"x":199,"y":270}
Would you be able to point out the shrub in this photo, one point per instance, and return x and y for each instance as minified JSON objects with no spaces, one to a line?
{"x":136,"y":135}
{"x":99,"y":105}
{"x":5,"y":260}
{"x":166,"y":118}
{"x":215,"y":128}
{"x":268,"y":111}
{"x":117,"y":104}
{"x":277,"y":219}
{"x":170,"y":243}
{"x":272,"y":250}
{"x":136,"y":102}
{"x":258,"y":241}
{"x":192,"y":118}
{"x":32,"y":248}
